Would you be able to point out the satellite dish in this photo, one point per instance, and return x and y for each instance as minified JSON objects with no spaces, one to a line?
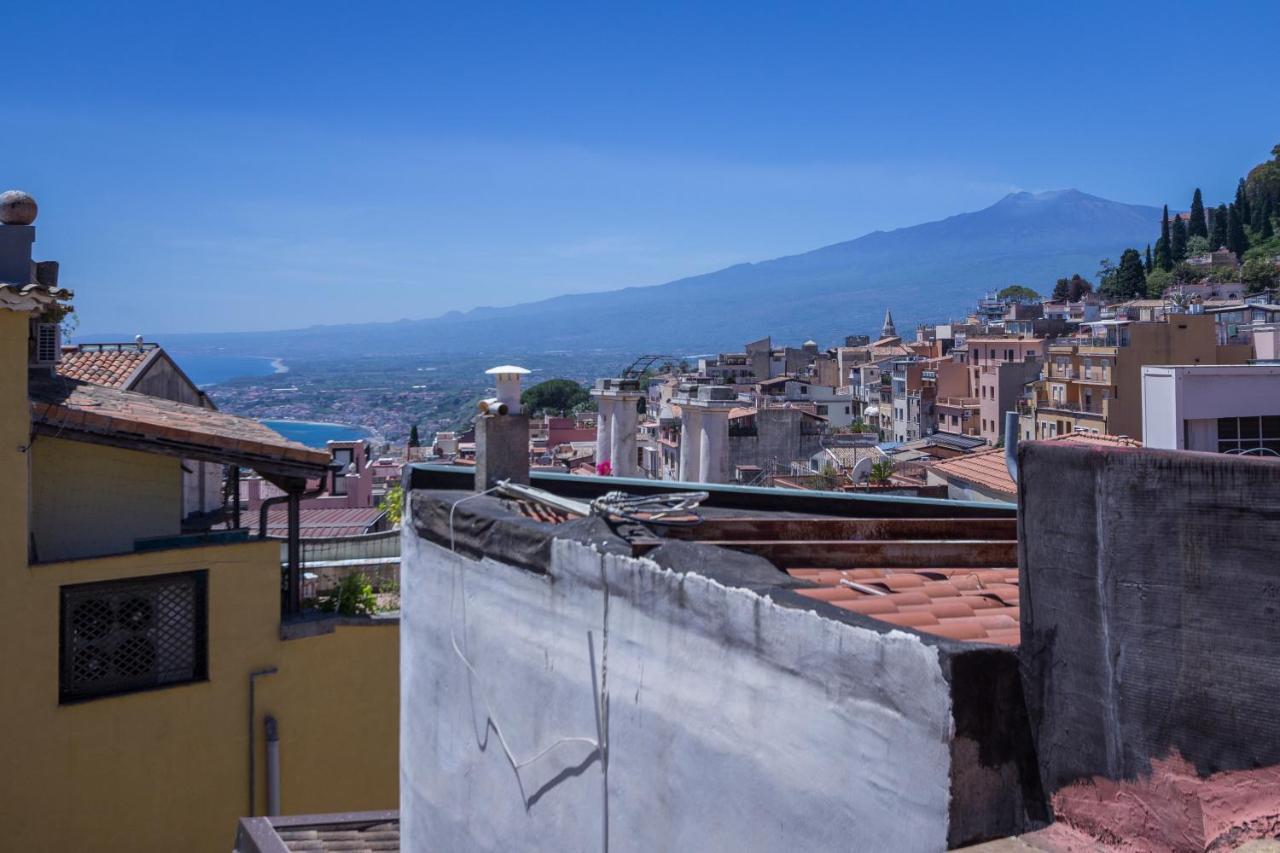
{"x":862,"y":470}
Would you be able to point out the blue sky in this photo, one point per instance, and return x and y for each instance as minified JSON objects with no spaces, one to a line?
{"x":267,"y":165}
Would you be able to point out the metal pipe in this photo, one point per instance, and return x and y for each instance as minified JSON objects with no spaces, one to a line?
{"x":262,"y":513}
{"x":234,"y":487}
{"x":293,"y":602}
{"x":1011,"y":444}
{"x":253,"y":676}
{"x":273,"y":767}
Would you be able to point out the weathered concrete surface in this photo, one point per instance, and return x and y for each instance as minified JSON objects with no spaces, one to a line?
{"x":1150,"y":610}
{"x":732,"y":723}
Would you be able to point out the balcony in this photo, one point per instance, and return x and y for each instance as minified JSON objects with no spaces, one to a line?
{"x":959,"y":402}
{"x":1063,"y":406}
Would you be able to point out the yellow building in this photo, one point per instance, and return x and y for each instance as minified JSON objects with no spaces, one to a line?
{"x":140,"y":665}
{"x":1094,"y":382}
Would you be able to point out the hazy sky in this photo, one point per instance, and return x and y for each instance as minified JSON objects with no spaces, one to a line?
{"x":269,"y":164}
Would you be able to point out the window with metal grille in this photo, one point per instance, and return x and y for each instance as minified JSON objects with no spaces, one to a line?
{"x":134,"y":634}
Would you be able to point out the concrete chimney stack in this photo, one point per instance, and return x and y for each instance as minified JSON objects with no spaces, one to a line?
{"x":17,"y":211}
{"x":502,"y":433}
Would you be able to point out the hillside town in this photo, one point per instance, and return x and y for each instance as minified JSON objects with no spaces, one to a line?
{"x":925,"y":413}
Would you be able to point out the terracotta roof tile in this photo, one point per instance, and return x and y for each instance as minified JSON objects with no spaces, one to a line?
{"x":70,"y":406}
{"x":111,"y":367}
{"x":987,"y":468}
{"x":980,"y":605}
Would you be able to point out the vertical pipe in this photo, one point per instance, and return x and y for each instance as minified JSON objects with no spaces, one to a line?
{"x":253,"y":677}
{"x":273,"y":767}
{"x":1011,"y":444}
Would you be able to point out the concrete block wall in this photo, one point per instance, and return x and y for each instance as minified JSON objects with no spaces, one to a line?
{"x":1150,"y":584}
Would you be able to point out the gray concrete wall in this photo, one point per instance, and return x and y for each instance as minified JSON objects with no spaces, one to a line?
{"x":733,"y":723}
{"x":1150,"y":604}
{"x":778,"y":437}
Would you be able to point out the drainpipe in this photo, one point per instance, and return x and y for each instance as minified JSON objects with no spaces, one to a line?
{"x":273,"y":767}
{"x":1011,"y":444}
{"x":253,"y":677}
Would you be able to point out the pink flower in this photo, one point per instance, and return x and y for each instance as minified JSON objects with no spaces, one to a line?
{"x":604,"y":469}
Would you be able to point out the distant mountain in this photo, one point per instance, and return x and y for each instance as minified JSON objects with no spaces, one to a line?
{"x":933,"y":271}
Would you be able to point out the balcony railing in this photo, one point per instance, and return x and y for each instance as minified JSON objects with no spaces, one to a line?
{"x":960,"y":402}
{"x":1024,"y":406}
{"x":366,"y":549}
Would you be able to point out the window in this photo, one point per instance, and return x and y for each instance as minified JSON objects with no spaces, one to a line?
{"x":135,"y":634}
{"x":1257,"y":436}
{"x":1008,"y":355}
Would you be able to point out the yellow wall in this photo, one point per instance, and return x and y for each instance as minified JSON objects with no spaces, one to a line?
{"x":167,"y":769}
{"x":15,"y":429}
{"x":90,"y":500}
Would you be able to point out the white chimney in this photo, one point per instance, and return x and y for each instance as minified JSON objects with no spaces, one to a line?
{"x":508,"y":379}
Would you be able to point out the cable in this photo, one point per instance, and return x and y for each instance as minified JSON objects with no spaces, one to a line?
{"x":673,"y":509}
{"x":597,"y":743}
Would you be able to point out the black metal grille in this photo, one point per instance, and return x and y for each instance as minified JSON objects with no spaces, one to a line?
{"x":135,"y":634}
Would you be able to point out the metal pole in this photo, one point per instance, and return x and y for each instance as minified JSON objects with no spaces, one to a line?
{"x":234,"y":477}
{"x":295,"y":554}
{"x":273,"y":767}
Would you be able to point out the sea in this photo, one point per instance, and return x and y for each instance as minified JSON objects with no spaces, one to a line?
{"x":207,"y":370}
{"x":315,"y":434}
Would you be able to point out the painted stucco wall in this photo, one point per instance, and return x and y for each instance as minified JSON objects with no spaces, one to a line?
{"x":90,"y":500}
{"x":167,"y":769}
{"x":732,"y":723}
{"x":15,"y":434}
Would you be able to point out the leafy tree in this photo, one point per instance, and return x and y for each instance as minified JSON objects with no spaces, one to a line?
{"x":392,"y":504}
{"x":1223,"y":275}
{"x":1259,"y":274}
{"x":1185,"y":272}
{"x":1196,"y":225}
{"x":1127,"y":280}
{"x":1018,"y":292}
{"x":1266,"y":232}
{"x":414,"y":441}
{"x":1178,"y":240}
{"x":1237,"y":241}
{"x":554,"y":395}
{"x":1198,"y":245}
{"x":1158,"y":281}
{"x":1218,"y":234}
{"x":1072,"y":289}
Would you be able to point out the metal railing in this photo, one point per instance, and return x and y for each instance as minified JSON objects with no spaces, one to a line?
{"x":366,"y":549}
{"x":959,"y":402}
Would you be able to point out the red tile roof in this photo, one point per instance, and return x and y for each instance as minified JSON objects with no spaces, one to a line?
{"x":988,"y":470}
{"x":111,"y":367}
{"x":78,"y":410}
{"x":962,"y":604}
{"x":323,"y":522}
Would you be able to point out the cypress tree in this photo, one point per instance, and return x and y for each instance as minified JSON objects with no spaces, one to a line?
{"x":1131,"y":281}
{"x":1164,"y":257}
{"x":1146,"y":264}
{"x":1266,"y":232}
{"x":1218,"y":234}
{"x":414,"y":441}
{"x":1236,"y":239}
{"x":1242,"y":203}
{"x":1178,"y":240}
{"x":1196,"y":225}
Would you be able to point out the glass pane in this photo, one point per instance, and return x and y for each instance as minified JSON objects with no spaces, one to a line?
{"x":1227,"y":428}
{"x":1271,"y":426}
{"x":1249,"y":427}
{"x":1226,"y":446}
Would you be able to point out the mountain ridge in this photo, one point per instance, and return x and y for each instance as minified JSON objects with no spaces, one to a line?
{"x":930,"y":271}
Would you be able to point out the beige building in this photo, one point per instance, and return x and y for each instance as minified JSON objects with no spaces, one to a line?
{"x":1094,"y":382}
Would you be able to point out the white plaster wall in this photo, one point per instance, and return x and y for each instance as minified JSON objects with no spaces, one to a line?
{"x":733,"y":724}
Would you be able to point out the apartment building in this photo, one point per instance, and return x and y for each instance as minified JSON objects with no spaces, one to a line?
{"x":834,"y":404}
{"x":1213,"y":408}
{"x":1000,"y":368}
{"x":1093,"y":382}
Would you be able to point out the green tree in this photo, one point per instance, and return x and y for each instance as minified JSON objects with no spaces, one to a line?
{"x":1147,"y":262}
{"x":1018,"y":292}
{"x":1196,"y":225}
{"x":1218,"y":233}
{"x":554,"y":396}
{"x":1158,"y":281}
{"x":1242,"y":203}
{"x":1164,"y":246}
{"x":1266,"y":231}
{"x":414,"y":441}
{"x":1071,"y":289}
{"x":1198,"y":245}
{"x":1259,"y":274}
{"x":1178,"y":240}
{"x":392,"y":504}
{"x":1237,"y":241}
{"x":1130,"y":282}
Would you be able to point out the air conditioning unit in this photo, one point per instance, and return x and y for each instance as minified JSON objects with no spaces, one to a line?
{"x":48,"y":338}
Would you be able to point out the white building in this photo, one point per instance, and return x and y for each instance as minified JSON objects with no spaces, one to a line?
{"x":1228,"y":408}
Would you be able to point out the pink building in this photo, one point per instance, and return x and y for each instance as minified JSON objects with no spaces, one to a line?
{"x":999,"y":368}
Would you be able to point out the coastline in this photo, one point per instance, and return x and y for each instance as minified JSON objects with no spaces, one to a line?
{"x":279,"y":365}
